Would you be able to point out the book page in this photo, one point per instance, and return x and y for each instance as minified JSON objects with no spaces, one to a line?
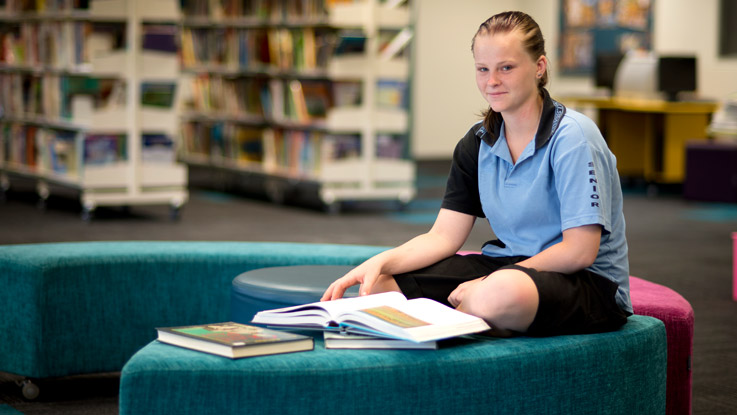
{"x":331,"y":308}
{"x":416,"y":313}
{"x":419,"y":319}
{"x":395,"y":317}
{"x":343,"y":305}
{"x":434,"y":312}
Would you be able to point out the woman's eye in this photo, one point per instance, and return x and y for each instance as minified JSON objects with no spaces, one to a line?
{"x":481,"y":69}
{"x":506,"y":68}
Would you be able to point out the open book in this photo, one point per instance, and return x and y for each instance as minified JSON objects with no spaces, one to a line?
{"x":385,"y":315}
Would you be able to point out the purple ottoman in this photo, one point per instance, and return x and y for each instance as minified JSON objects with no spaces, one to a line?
{"x":654,"y":300}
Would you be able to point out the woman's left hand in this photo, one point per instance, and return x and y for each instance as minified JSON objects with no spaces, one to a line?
{"x":456,"y":297}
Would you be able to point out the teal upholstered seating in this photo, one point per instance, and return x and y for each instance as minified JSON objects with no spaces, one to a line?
{"x":72,"y":308}
{"x":268,"y":288}
{"x":623,"y":372}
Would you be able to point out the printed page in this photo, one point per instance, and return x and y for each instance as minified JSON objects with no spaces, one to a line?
{"x":418,"y":320}
{"x":289,"y":315}
{"x":338,"y":307}
{"x":416,"y":313}
{"x":434,"y":312}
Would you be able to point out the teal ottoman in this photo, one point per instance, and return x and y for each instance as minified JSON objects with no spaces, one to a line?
{"x":622,"y":372}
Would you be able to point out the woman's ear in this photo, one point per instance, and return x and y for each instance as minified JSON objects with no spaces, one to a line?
{"x":542,"y":66}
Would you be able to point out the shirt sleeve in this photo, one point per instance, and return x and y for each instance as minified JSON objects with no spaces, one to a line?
{"x":582,"y":180}
{"x":462,"y":188}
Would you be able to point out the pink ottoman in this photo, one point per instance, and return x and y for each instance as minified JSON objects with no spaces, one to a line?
{"x":654,"y":300}
{"x":734,"y":266}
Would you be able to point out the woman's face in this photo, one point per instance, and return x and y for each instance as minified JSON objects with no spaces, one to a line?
{"x":506,"y":75}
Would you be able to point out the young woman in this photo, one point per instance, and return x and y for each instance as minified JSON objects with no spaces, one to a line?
{"x":544,"y":178}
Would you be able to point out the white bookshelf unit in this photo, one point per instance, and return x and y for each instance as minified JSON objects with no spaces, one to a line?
{"x":76,"y":103}
{"x":301,"y":92}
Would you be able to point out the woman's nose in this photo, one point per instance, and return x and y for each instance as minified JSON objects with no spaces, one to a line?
{"x":493,"y":80}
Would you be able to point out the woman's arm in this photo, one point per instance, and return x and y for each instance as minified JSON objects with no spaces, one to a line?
{"x":577,"y":250}
{"x":445,"y":238}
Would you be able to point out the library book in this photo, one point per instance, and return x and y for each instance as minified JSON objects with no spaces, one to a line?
{"x":234,"y":340}
{"x":352,"y":340}
{"x":389,"y":315}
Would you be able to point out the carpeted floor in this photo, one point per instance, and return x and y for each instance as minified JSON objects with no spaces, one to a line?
{"x":684,"y":245}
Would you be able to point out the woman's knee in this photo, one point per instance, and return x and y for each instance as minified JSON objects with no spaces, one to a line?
{"x":507,"y":299}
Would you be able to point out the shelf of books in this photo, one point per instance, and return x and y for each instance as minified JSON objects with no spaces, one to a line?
{"x":88,"y":100}
{"x":303,"y":91}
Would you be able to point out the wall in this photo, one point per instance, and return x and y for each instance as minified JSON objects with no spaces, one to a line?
{"x":446,"y":101}
{"x":683,"y":26}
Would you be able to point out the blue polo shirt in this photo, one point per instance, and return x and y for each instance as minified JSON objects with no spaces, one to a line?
{"x":566,"y":177}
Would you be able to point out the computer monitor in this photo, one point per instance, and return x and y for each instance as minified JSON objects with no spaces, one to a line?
{"x":605,"y":68}
{"x":676,"y":74}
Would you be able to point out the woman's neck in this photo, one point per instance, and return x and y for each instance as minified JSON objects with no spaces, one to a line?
{"x":521,"y":126}
{"x":523,"y":123}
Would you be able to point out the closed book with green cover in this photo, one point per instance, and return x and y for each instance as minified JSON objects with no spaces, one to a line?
{"x":234,"y":340}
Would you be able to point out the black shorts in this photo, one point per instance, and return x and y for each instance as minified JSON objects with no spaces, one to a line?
{"x":582,"y":302}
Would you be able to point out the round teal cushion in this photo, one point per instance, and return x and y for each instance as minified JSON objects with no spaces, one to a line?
{"x":276,"y":287}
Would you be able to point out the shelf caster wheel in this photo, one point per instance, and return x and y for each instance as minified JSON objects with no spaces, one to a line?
{"x":43,"y":194}
{"x":88,"y":211}
{"x":4,"y":186}
{"x":174,"y":213}
{"x":87,"y":215}
{"x":405,"y":198}
{"x":29,"y":389}
{"x":41,"y":204}
{"x":276,"y":193}
{"x":333,"y":208}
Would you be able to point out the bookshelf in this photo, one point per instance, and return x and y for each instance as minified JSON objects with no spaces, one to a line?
{"x":88,"y":101}
{"x":310,"y":93}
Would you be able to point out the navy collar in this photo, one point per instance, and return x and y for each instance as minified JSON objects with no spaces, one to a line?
{"x":553,"y":112}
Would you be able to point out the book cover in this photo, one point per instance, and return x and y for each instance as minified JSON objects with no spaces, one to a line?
{"x":392,"y":94}
{"x":318,"y":98}
{"x":157,"y":148}
{"x":234,"y":340}
{"x":100,"y":149}
{"x":62,"y":151}
{"x":397,"y":43}
{"x":350,"y":41}
{"x":162,"y":38}
{"x":157,"y":94}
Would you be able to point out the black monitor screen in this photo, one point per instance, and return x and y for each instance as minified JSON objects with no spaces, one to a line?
{"x":605,"y":67}
{"x":676,"y":74}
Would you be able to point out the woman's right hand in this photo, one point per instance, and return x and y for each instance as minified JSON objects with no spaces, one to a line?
{"x":365,"y":274}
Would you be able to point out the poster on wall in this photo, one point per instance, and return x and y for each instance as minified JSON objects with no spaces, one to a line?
{"x":591,"y":27}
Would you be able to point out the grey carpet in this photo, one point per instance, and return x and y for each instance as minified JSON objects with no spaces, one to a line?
{"x":684,"y":245}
